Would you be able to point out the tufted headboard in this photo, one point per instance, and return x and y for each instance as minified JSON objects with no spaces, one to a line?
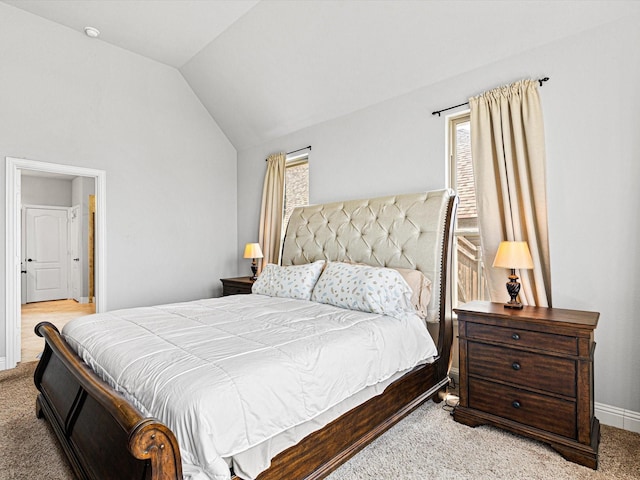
{"x":403,"y":231}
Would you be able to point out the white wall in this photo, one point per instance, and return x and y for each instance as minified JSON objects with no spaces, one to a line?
{"x":46,"y":191}
{"x":592,"y":117}
{"x":170,"y":171}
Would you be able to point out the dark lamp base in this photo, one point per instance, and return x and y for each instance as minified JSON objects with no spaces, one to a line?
{"x":254,"y":270}
{"x":513,"y":287}
{"x":516,"y":305}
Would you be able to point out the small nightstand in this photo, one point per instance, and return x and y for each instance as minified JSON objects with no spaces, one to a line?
{"x":236,"y":286}
{"x":530,"y":371}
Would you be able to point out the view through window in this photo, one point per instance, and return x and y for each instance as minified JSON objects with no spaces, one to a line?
{"x":469,"y":283}
{"x":296,"y":184}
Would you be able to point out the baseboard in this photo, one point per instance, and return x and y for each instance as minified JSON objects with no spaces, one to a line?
{"x":3,"y":363}
{"x":618,"y":417}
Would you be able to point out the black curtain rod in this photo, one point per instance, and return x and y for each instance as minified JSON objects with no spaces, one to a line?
{"x":438,"y":112}
{"x":295,"y":151}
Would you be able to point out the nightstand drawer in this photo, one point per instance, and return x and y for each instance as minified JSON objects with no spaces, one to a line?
{"x":530,"y":370}
{"x":236,"y":286}
{"x":517,"y":337}
{"x":539,"y":411}
{"x":235,"y":290}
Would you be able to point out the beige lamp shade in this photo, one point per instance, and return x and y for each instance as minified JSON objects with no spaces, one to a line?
{"x":513,"y":255}
{"x":253,"y":250}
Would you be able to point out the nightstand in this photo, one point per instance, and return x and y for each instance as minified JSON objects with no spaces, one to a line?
{"x":236,"y":286}
{"x":530,"y":371}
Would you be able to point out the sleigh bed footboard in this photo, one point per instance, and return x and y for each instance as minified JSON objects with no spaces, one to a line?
{"x":102,"y":434}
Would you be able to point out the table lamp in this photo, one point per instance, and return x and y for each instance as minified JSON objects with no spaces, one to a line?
{"x":513,"y":255}
{"x":253,"y":251}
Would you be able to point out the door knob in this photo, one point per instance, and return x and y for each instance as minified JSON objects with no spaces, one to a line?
{"x":76,"y":259}
{"x":29,"y":260}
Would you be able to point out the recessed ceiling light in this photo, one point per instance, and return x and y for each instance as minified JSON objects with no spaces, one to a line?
{"x":92,"y":32}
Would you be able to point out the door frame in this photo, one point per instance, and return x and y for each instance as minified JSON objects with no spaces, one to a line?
{"x":74,"y":243}
{"x":14,"y":168}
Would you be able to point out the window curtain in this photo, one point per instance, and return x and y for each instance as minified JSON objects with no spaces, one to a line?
{"x":270,"y":236}
{"x":508,"y":155}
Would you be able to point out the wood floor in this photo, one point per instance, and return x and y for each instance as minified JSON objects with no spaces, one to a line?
{"x":58,"y":312}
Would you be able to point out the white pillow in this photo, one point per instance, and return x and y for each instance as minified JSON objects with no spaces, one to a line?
{"x":294,"y":281}
{"x":361,"y":287}
{"x":420,"y":288}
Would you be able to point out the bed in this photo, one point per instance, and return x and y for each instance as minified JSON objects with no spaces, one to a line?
{"x":107,"y":433}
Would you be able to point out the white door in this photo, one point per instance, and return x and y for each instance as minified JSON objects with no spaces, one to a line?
{"x":74,"y":249}
{"x":47,"y":254}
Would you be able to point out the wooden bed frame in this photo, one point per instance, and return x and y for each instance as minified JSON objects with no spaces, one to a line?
{"x":105,"y":437}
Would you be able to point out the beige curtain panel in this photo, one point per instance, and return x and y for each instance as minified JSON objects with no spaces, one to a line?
{"x":270,"y":236}
{"x":508,"y":154}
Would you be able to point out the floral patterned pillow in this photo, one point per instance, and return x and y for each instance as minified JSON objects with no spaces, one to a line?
{"x":364,"y":288}
{"x":294,"y":281}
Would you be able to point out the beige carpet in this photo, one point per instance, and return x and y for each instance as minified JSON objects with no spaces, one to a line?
{"x":429,"y":444}
{"x":28,"y":448}
{"x":426,"y":445}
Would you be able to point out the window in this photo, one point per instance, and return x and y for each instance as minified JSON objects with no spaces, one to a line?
{"x":469,"y":282}
{"x":296,"y":185}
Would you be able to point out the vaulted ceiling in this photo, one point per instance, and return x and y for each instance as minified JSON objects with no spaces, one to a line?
{"x":266,"y":68}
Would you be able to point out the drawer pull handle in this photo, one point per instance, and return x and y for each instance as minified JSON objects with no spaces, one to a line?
{"x":515,"y":366}
{"x":515,"y":404}
{"x":515,"y":336}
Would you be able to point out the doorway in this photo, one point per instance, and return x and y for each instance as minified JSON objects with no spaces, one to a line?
{"x":15,"y":169}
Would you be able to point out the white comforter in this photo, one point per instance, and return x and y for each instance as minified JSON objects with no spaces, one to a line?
{"x":226,"y":374}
